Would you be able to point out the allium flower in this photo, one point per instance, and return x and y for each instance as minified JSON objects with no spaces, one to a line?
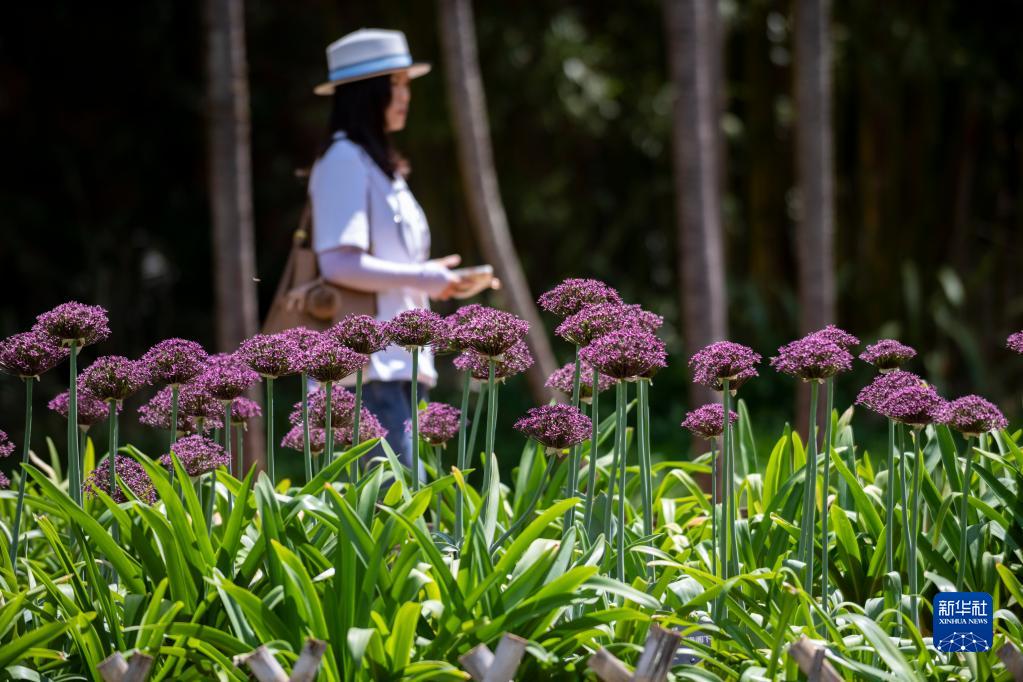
{"x":438,"y":423}
{"x":113,"y":377}
{"x":226,"y":377}
{"x":556,"y":427}
{"x":812,"y":358}
{"x":1015,"y":342}
{"x":4,"y":481}
{"x":724,"y":360}
{"x":491,"y":332}
{"x":972,"y":415}
{"x":707,"y":420}
{"x":195,"y":400}
{"x":30,"y":354}
{"x":447,"y":340}
{"x":361,"y":333}
{"x":414,"y":328}
{"x":156,"y":412}
{"x":271,"y":355}
{"x":174,"y":361}
{"x":243,"y":409}
{"x":198,"y":455}
{"x":626,"y":353}
{"x":130,"y":472}
{"x":91,"y":410}
{"x":887,"y":355}
{"x":73,"y":321}
{"x":342,"y":408}
{"x":294,"y":439}
{"x":329,"y":360}
{"x":561,"y":380}
{"x":6,"y":446}
{"x":302,"y":339}
{"x":839,"y":337}
{"x":603,"y":318}
{"x":873,"y":395}
{"x":515,"y":360}
{"x":914,"y":405}
{"x":574,"y":294}
{"x":369,"y":428}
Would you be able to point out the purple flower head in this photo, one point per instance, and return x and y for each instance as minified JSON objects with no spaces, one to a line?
{"x":1015,"y":342}
{"x":515,"y":360}
{"x":198,"y":455}
{"x":556,"y":427}
{"x":226,"y":376}
{"x":447,"y":341}
{"x":130,"y":472}
{"x":972,"y":415}
{"x":812,"y":358}
{"x":361,"y":333}
{"x":243,"y":409}
{"x":707,"y":421}
{"x":626,"y":354}
{"x":30,"y":354}
{"x":271,"y":355}
{"x":74,"y":322}
{"x":724,"y":360}
{"x":91,"y":410}
{"x":195,"y":400}
{"x":414,"y":328}
{"x":603,"y":318}
{"x":873,"y":395}
{"x":6,"y":446}
{"x":4,"y":481}
{"x":329,"y":360}
{"x":914,"y":405}
{"x":887,"y":355}
{"x":342,"y":408}
{"x":491,"y":332}
{"x":294,"y":439}
{"x":839,"y":337}
{"x":574,"y":294}
{"x":438,"y":423}
{"x":156,"y":412}
{"x":301,"y":340}
{"x":174,"y":361}
{"x":561,"y":380}
{"x":114,"y":378}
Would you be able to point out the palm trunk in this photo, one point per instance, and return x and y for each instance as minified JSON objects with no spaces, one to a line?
{"x":468,"y":106}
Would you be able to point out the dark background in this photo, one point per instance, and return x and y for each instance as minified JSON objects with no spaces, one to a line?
{"x":103,"y":193}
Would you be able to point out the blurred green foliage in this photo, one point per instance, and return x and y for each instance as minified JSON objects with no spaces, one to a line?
{"x":104,"y":196}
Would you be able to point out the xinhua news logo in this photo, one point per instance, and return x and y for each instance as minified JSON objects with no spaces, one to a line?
{"x":963,"y":621}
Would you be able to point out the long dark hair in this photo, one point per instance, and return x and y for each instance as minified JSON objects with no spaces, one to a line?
{"x":358,"y":111}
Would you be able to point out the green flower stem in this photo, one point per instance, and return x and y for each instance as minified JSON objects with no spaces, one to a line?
{"x":573,"y":458}
{"x":714,"y":544}
{"x":728,"y":522}
{"x":211,"y":498}
{"x":353,"y":474}
{"x":613,"y":473}
{"x":23,"y":474}
{"x":173,"y":435}
{"x":112,"y":455}
{"x":307,"y":453}
{"x":328,"y":437}
{"x":645,"y":468}
{"x":917,"y":513}
{"x":591,"y":479}
{"x":824,"y":492}
{"x":903,"y":488}
{"x":481,"y":400}
{"x":623,"y":463}
{"x":227,"y":445}
{"x":74,"y":464}
{"x":239,"y":441}
{"x":890,"y":501}
{"x":414,"y":418}
{"x":963,"y":520}
{"x":810,"y":492}
{"x":491,"y":411}
{"x":528,"y":513}
{"x":466,"y":378}
{"x":270,"y":430}
{"x":438,"y":452}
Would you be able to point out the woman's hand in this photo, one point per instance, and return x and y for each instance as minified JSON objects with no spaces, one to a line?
{"x":442,"y":267}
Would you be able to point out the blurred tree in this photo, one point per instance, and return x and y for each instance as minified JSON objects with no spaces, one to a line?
{"x":230,"y":181}
{"x":468,"y":106}
{"x":691,"y":27}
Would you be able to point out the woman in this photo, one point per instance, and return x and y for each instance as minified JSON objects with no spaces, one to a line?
{"x":369,"y":232}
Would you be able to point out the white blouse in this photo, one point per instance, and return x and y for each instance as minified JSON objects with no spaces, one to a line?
{"x":355,"y":204}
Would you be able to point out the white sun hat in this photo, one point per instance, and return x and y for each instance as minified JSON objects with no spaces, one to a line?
{"x":366,"y":53}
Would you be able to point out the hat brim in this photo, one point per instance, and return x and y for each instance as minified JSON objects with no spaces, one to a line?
{"x":415,"y":71}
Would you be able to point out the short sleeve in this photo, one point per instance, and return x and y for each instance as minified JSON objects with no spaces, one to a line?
{"x":338,"y":191}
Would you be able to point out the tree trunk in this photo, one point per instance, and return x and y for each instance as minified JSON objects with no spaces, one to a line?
{"x":475,"y":156}
{"x":693,"y":68}
{"x":814,"y":171}
{"x":230,"y":184}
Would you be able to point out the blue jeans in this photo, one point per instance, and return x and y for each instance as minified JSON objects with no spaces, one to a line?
{"x":391,"y":403}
